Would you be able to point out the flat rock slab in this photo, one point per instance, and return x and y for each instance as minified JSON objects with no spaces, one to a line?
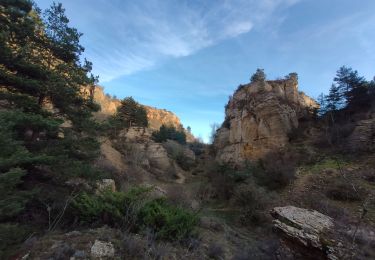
{"x":306,"y":227}
{"x":306,"y":219}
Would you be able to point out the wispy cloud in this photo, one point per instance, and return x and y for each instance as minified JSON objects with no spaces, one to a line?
{"x":131,"y":36}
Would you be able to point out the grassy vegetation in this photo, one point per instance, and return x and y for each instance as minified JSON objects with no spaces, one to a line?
{"x":135,"y":211}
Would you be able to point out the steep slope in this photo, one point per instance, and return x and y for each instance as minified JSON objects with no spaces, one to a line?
{"x":258,"y":119}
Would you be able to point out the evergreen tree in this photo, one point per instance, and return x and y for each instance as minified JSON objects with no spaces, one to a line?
{"x":131,"y":113}
{"x":39,"y":65}
{"x":258,"y":76}
{"x":352,"y":87}
{"x":334,"y":99}
{"x":292,"y":76}
{"x":322,"y":104}
{"x":169,"y":133}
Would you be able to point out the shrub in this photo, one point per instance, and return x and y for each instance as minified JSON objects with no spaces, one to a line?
{"x":253,"y":201}
{"x":132,"y":211}
{"x":177,"y":152}
{"x":197,"y":147}
{"x":220,"y":180}
{"x":168,"y":222}
{"x":276,"y":170}
{"x":340,"y":189}
{"x":10,"y":236}
{"x":258,"y":76}
{"x":112,"y":208}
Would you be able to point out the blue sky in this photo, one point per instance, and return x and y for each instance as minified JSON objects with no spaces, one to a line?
{"x":188,"y":56}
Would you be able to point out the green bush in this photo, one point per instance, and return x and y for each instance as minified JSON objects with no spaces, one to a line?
{"x":131,"y":210}
{"x":113,"y":208}
{"x":167,"y":221}
{"x":11,"y":235}
{"x":12,"y":199}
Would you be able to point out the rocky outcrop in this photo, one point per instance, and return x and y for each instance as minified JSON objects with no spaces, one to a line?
{"x":307,"y":228}
{"x":363,"y":136}
{"x":156,"y":117}
{"x":142,"y":151}
{"x":258,"y":119}
{"x":111,"y":156}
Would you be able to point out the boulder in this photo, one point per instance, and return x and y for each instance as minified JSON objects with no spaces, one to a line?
{"x":105,"y":185}
{"x":158,"y":156}
{"x":307,"y":228}
{"x":102,"y":249}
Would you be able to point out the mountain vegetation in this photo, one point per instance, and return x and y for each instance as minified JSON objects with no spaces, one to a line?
{"x":76,"y":187}
{"x":169,"y":133}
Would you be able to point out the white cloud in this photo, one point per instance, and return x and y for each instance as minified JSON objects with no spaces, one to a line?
{"x":131,"y":36}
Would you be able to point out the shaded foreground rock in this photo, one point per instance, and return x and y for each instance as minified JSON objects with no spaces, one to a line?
{"x":102,"y":249}
{"x":306,"y":228}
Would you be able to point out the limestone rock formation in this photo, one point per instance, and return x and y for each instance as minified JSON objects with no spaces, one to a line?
{"x":363,"y":136}
{"x":143,"y":150}
{"x":156,"y":117}
{"x":258,"y":119}
{"x":111,"y":156}
{"x":306,"y":227}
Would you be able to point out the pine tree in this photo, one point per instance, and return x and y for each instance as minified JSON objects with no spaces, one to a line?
{"x":334,"y":99}
{"x":131,"y":113}
{"x":40,"y":63}
{"x":352,"y":87}
{"x":258,"y":76}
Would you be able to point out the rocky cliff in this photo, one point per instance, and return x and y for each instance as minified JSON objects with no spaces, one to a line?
{"x":258,"y":119}
{"x":156,"y":117}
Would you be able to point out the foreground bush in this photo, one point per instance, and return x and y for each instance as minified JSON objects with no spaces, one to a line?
{"x":134,"y":211}
{"x":10,"y":236}
{"x":113,"y":208}
{"x":167,"y":221}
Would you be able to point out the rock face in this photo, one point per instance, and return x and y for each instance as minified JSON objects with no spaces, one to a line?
{"x":363,"y":136}
{"x":156,"y":117}
{"x":143,"y":150}
{"x":258,"y":119}
{"x":306,"y":227}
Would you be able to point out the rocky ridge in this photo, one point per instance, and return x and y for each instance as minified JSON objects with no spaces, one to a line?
{"x":156,"y":117}
{"x":258,"y":118}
